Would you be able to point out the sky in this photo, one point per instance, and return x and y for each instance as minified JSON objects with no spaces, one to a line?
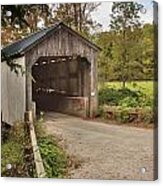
{"x":101,"y":15}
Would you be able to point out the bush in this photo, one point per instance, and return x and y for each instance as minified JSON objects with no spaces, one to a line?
{"x":54,"y":158}
{"x":132,"y":104}
{"x":128,"y":102}
{"x":100,"y":111}
{"x":147,"y":115}
{"x":108,"y":96}
{"x":122,"y":115}
{"x":123,"y":97}
{"x":128,"y":114}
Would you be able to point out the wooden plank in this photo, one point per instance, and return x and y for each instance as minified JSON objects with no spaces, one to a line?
{"x":64,"y":44}
{"x":37,"y":156}
{"x":12,"y":93}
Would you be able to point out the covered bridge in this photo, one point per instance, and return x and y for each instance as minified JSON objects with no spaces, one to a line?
{"x":60,"y":74}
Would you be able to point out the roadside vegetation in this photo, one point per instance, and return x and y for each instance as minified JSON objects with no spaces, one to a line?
{"x":127,"y":66}
{"x":16,"y":153}
{"x":132,"y":104}
{"x":54,"y":158}
{"x":17,"y":158}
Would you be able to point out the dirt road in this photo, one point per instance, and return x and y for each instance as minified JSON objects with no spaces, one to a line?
{"x":105,"y":151}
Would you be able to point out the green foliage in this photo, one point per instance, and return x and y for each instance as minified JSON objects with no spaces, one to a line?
{"x":125,"y":15}
{"x":128,"y":48}
{"x":133,"y":104}
{"x":54,"y":158}
{"x":139,"y":64}
{"x":147,"y":115}
{"x":123,"y":114}
{"x":125,"y":24}
{"x":129,"y":102}
{"x":13,"y":152}
{"x":137,"y":94}
{"x":121,"y":97}
{"x":100,"y":111}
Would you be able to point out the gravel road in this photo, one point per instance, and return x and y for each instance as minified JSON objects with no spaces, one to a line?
{"x":104,"y":151}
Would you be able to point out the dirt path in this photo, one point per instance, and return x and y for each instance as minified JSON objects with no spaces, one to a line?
{"x":106,"y":151}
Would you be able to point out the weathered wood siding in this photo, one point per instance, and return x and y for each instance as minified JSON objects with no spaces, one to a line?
{"x":12,"y":93}
{"x":65,"y":43}
{"x":61,"y":43}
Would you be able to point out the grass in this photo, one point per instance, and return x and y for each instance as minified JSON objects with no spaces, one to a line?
{"x":13,"y":152}
{"x":146,"y":87}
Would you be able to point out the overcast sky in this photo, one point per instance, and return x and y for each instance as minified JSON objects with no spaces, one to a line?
{"x":101,"y":15}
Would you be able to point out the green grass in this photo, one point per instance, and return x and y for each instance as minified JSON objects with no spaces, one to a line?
{"x":146,"y":87}
{"x":12,"y":152}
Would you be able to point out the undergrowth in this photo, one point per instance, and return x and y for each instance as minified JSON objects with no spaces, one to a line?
{"x":131,"y":104}
{"x":54,"y":158}
{"x":16,"y":152}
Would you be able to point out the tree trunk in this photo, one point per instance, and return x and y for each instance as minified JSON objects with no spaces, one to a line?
{"x":123,"y":84}
{"x":75,"y":16}
{"x":80,"y":18}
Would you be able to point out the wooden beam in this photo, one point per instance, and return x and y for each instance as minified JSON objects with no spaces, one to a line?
{"x":37,"y":156}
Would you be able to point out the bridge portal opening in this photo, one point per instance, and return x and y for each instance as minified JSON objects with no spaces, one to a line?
{"x":62,"y":84}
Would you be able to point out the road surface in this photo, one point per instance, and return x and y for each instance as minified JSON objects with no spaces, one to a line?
{"x":104,"y":151}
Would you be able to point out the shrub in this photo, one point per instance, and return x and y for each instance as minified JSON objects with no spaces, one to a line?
{"x":124,"y":98}
{"x":128,"y":102}
{"x":128,"y":114}
{"x":108,"y":96}
{"x":132,"y":104}
{"x":54,"y":158}
{"x":122,"y":114}
{"x":100,"y":111}
{"x":147,"y":115}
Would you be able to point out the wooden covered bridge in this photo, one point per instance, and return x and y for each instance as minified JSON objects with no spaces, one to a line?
{"x":60,"y":74}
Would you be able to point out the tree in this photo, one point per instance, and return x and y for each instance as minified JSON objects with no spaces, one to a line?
{"x":20,"y":20}
{"x":77,"y":15}
{"x":105,"y":64}
{"x":140,"y":48}
{"x":148,"y":51}
{"x":125,"y":23}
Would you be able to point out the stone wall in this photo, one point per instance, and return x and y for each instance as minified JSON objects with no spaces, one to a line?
{"x":77,"y":106}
